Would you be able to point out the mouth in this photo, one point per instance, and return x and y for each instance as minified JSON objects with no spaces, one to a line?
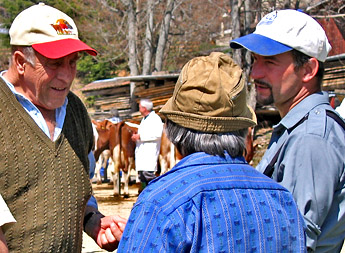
{"x":58,"y":89}
{"x":261,"y":84}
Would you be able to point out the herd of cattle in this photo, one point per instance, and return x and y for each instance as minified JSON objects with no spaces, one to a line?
{"x":113,"y":144}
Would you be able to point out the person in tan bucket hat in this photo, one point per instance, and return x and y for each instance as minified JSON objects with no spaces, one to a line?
{"x":210,"y":97}
{"x":47,"y":139}
{"x":212,"y":200}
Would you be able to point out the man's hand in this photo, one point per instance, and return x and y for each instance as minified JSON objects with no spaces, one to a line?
{"x":3,"y":244}
{"x":135,"y":137}
{"x":106,"y":230}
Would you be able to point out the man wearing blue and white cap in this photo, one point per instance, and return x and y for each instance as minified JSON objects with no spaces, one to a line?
{"x":306,"y":151}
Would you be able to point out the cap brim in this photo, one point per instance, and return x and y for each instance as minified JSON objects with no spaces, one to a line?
{"x":61,"y":48}
{"x":260,"y":45}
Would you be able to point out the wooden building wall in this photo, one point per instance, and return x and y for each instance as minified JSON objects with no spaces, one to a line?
{"x":109,"y":94}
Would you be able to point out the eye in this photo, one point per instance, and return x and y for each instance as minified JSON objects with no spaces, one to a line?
{"x":73,"y":62}
{"x":54,"y":64}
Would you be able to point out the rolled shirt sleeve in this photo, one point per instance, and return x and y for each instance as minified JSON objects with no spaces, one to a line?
{"x":6,"y":216}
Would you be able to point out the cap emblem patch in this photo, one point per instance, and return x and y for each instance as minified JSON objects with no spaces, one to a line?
{"x":62,"y":27}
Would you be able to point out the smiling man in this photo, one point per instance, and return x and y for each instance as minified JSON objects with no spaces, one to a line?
{"x":46,"y":138}
{"x":306,"y":151}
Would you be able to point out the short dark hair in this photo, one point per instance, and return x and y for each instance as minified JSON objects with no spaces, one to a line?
{"x":300,"y":59}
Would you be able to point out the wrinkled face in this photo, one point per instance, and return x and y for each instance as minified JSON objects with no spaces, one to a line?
{"x":48,"y":82}
{"x":276,"y":80}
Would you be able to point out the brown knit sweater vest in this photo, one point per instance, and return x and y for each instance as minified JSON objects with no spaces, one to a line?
{"x":44,"y":183}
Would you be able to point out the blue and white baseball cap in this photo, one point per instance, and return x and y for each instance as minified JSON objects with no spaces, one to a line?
{"x":283,"y":30}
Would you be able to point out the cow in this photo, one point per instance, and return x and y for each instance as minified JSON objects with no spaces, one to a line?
{"x":168,"y":154}
{"x":101,"y":137}
{"x":123,"y":154}
{"x":117,"y":138}
{"x":100,"y":152}
{"x":250,"y":148}
{"x":102,"y":162}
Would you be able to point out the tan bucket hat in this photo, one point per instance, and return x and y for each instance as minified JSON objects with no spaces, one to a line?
{"x":210,"y":96}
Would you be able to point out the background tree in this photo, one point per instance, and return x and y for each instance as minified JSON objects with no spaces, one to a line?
{"x":245,"y":14}
{"x":145,"y":35}
{"x":148,"y":43}
{"x":163,"y":35}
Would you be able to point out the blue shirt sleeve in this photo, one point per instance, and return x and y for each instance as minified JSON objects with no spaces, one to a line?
{"x":92,"y":161}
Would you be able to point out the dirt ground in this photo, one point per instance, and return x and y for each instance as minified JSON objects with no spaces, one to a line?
{"x":109,"y":205}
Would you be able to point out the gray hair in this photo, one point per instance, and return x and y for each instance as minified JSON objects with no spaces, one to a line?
{"x":28,"y":52}
{"x":147,"y":103}
{"x":189,"y":141}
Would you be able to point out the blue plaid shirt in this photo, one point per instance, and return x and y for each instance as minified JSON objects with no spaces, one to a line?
{"x":212,"y":204}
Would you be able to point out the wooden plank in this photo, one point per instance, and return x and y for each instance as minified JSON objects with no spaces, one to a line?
{"x":114,"y":105}
{"x":108,"y":91}
{"x":334,"y":78}
{"x":155,"y":90}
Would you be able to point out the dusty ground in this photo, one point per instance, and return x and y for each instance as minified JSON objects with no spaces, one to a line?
{"x":109,"y":205}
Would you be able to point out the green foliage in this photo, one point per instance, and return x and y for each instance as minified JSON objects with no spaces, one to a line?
{"x":90,"y":101}
{"x":11,"y":8}
{"x":14,"y":7}
{"x":90,"y":70}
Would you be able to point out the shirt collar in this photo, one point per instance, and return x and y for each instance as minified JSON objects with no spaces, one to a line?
{"x":36,"y":114}
{"x":302,"y":109}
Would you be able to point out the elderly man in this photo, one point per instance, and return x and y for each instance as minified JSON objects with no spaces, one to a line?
{"x":46,"y":138}
{"x":306,"y":151}
{"x":148,"y":143}
{"x":212,"y":200}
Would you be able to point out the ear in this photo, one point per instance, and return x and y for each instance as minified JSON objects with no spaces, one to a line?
{"x":310,"y":69}
{"x":19,"y":61}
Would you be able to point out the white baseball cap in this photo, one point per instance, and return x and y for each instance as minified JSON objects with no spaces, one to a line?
{"x":49,"y":31}
{"x":283,"y":30}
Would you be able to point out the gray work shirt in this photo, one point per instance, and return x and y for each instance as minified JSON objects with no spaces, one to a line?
{"x":311,"y":166}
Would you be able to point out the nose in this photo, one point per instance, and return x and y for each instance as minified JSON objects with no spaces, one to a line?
{"x":67,"y":72}
{"x":257,"y":71}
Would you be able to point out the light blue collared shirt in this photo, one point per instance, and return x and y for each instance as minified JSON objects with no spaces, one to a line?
{"x":60,"y":114}
{"x":311,"y":166}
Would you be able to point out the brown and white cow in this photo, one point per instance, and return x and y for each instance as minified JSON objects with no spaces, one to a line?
{"x":250,"y":148}
{"x":168,"y":154}
{"x":117,"y":138}
{"x":101,"y":155}
{"x":123,"y":154}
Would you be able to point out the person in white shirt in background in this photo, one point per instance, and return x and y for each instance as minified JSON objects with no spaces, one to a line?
{"x":148,"y":142}
{"x":341,"y":109}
